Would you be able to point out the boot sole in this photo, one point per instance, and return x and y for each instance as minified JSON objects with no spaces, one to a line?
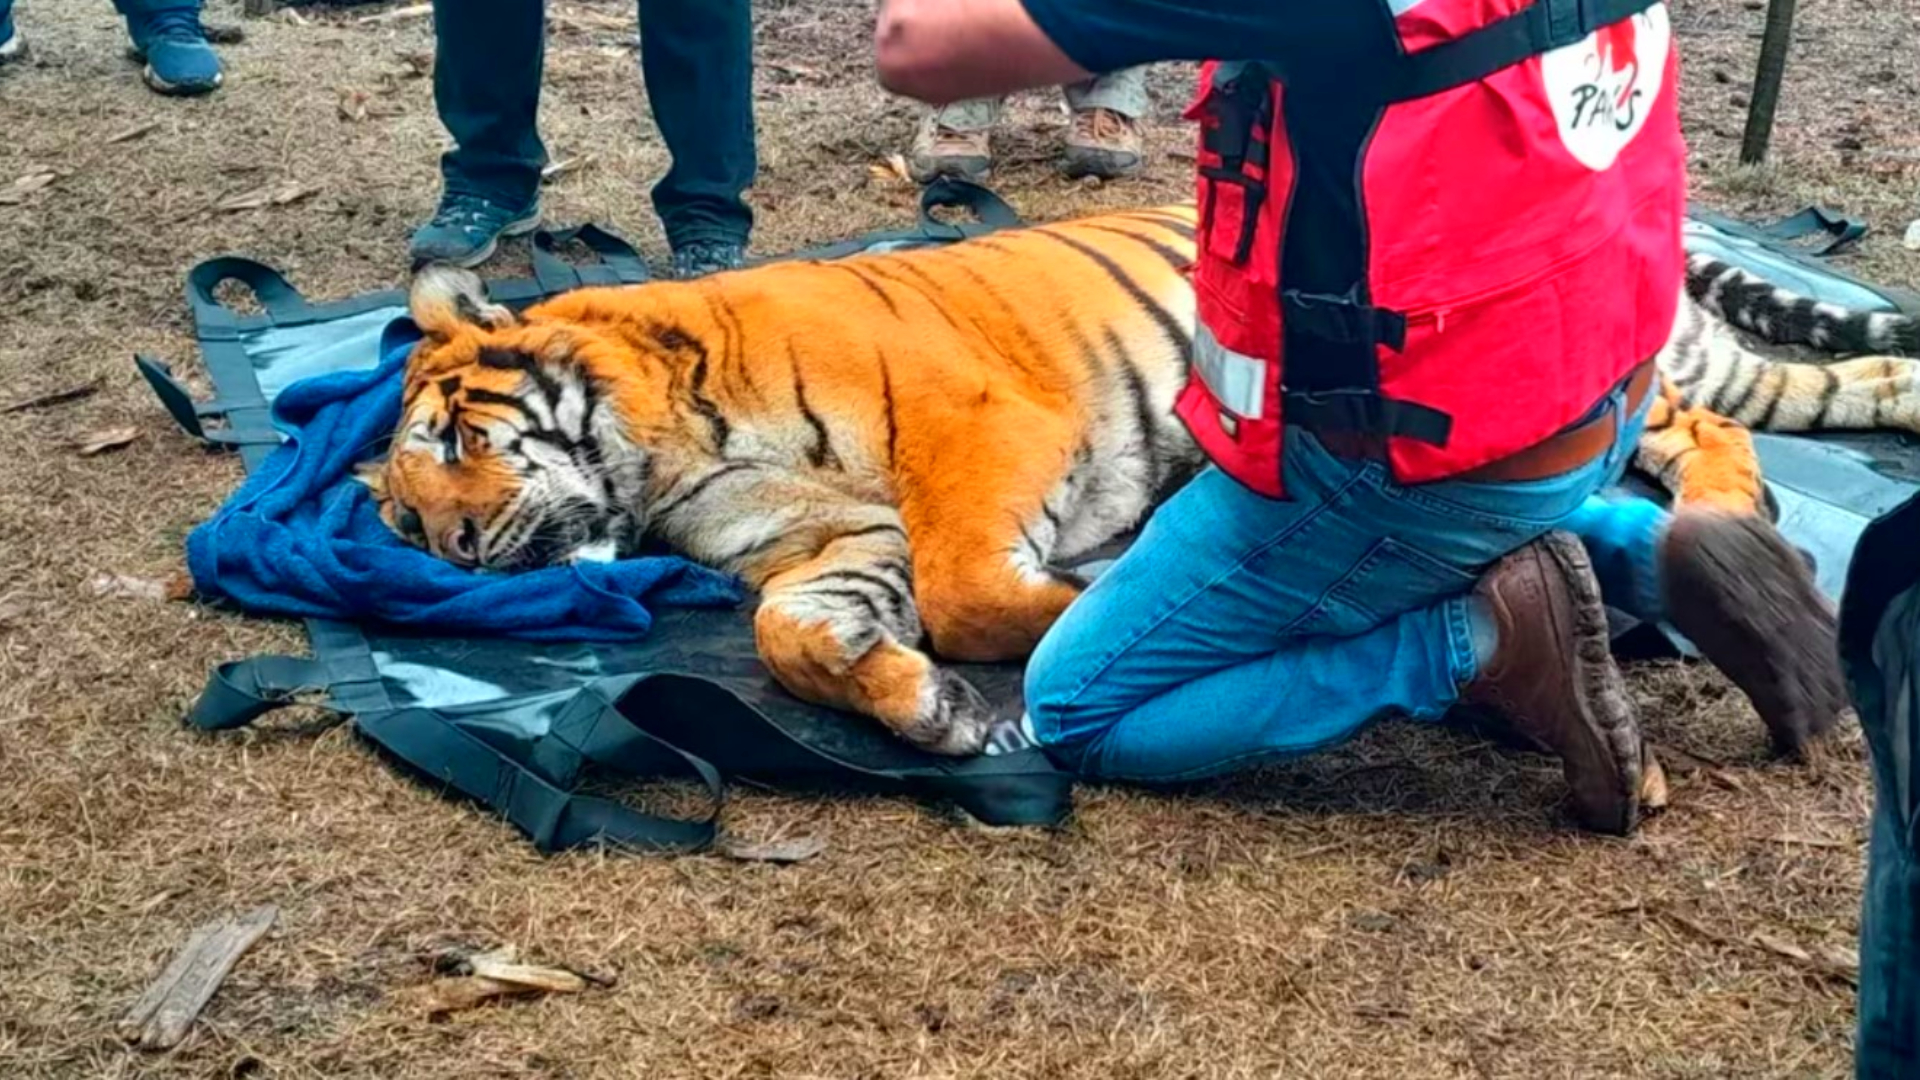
{"x":1746,"y":599}
{"x":161,"y":86}
{"x":1606,"y":709}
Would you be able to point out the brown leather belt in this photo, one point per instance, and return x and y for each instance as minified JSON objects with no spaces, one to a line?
{"x":1555,"y":456}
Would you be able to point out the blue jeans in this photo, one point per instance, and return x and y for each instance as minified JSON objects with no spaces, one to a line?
{"x":1239,"y":629}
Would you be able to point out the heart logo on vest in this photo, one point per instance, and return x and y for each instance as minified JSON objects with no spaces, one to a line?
{"x":1603,"y":88}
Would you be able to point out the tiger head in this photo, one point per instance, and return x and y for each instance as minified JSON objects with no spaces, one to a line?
{"x":509,"y":453}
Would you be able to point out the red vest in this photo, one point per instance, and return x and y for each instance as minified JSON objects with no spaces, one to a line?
{"x":1449,"y":233}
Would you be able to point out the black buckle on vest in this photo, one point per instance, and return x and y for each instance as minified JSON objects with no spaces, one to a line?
{"x":1342,"y":319}
{"x":1366,"y":413}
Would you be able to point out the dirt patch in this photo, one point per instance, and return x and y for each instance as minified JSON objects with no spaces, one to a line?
{"x":1408,"y":905}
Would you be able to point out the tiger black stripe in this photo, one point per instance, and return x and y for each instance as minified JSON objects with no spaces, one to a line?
{"x":480,"y":395}
{"x":1029,"y":345}
{"x":1176,"y":336}
{"x":870,"y":530}
{"x":1829,"y":389}
{"x":1778,"y":395}
{"x":926,"y":288}
{"x":887,"y":406}
{"x":514,"y":360}
{"x":1746,"y":394}
{"x":717,"y":426}
{"x":863,"y":279}
{"x":896,"y":597}
{"x":1136,"y":385}
{"x":1175,"y":225}
{"x":699,"y":487}
{"x":820,"y":454}
{"x":1174,"y":259}
{"x":866,"y":603}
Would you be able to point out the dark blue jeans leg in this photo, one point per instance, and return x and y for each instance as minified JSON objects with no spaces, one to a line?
{"x":697,"y":58}
{"x":488,"y":57}
{"x":133,"y":8}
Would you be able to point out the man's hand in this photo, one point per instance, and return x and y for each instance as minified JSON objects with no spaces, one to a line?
{"x":942,"y":51}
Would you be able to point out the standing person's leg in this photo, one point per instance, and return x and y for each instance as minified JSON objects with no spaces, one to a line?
{"x":1240,"y":628}
{"x":697,"y":59}
{"x":1104,"y":139}
{"x":169,"y":40}
{"x":955,"y":140}
{"x":488,"y":56}
{"x":12,"y":45}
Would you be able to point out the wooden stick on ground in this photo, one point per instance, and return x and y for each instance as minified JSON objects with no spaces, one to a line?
{"x":413,"y":11}
{"x":160,"y":1019}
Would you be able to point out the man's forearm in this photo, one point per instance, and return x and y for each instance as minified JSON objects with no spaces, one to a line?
{"x":942,"y":51}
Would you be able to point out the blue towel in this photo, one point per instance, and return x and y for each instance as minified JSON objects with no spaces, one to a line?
{"x":303,"y":538}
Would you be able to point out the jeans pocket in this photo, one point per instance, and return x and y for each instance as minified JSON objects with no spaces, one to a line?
{"x":1391,"y":579}
{"x":1517,"y":506}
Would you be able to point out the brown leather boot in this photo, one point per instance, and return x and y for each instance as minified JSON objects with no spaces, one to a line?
{"x":1552,"y":682}
{"x":1739,"y":592}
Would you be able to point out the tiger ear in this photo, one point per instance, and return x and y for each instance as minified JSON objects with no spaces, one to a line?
{"x":443,"y":298}
{"x":374,"y":475}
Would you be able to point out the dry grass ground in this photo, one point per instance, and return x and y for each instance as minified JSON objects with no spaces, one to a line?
{"x":1407,"y":906}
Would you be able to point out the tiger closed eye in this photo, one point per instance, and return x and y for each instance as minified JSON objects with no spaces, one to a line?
{"x":411,"y":526}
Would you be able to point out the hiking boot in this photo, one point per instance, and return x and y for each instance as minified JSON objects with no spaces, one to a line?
{"x":466,"y":229}
{"x":12,"y":45}
{"x":1103,"y":143}
{"x":939,"y":151}
{"x":1746,"y":598}
{"x":702,"y":257}
{"x":173,"y":46}
{"x":1552,"y":681}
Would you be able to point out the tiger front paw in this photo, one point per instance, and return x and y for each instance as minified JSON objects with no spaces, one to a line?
{"x":955,"y":720}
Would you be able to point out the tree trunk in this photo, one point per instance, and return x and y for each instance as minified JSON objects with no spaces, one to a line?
{"x":1766,"y":81}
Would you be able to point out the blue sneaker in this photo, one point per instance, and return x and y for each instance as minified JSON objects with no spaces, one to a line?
{"x":466,"y":230}
{"x":174,"y":47}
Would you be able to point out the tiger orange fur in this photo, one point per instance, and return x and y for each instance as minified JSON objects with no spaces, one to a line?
{"x":894,"y":450}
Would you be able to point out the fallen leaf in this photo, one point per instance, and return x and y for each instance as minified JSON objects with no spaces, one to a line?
{"x":56,"y":397}
{"x":478,"y":978}
{"x":899,"y":166}
{"x":224,"y":33}
{"x":1911,"y":241}
{"x":111,"y":439}
{"x":353,"y":105}
{"x":553,"y":980}
{"x":774,"y":851}
{"x":268,"y":195}
{"x":16,"y":193}
{"x":138,"y":588}
{"x":1833,"y":962}
{"x":12,"y":606}
{"x":557,"y":169}
{"x":418,"y":65}
{"x":132,"y":133}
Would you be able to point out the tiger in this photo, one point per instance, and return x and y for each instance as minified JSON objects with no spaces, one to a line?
{"x":897,"y":452}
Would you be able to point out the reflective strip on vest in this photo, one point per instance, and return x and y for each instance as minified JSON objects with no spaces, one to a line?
{"x":1238,"y":382}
